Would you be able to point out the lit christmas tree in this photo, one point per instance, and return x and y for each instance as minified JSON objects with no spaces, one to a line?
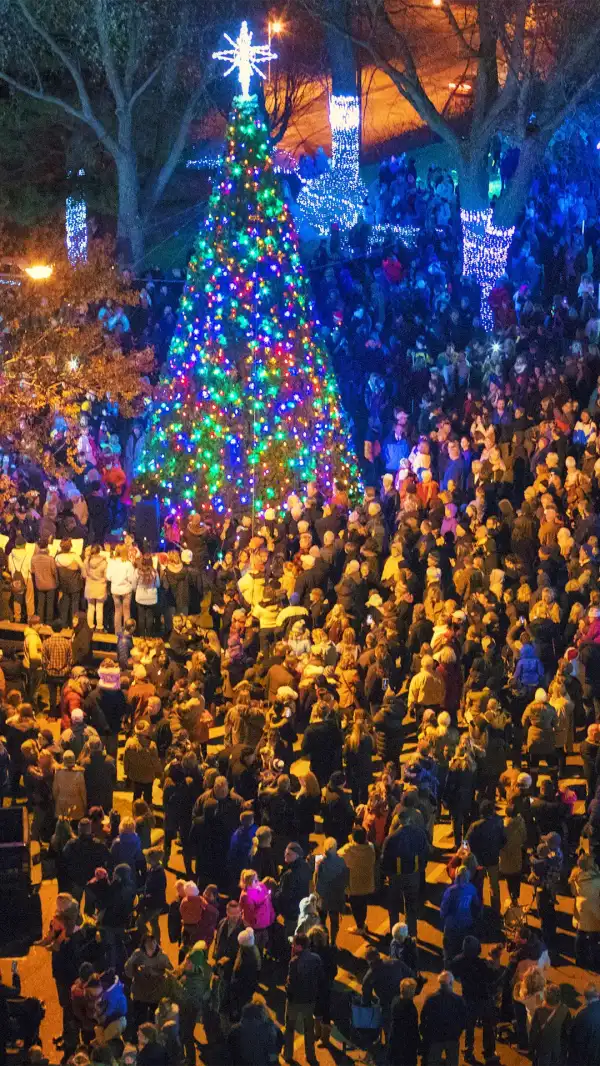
{"x":247,"y":410}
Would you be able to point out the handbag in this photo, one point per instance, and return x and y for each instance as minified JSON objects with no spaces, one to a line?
{"x":366,"y":1016}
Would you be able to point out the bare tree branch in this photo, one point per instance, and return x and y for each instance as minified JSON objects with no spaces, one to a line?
{"x":108,"y":56}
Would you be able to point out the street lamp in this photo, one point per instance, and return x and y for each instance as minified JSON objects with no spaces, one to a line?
{"x":274,"y":29}
{"x":39,"y":272}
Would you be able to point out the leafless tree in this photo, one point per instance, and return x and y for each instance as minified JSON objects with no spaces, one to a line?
{"x":134,"y":72}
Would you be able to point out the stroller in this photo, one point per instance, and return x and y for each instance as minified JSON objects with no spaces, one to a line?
{"x":359,"y":1026}
{"x":514,"y":922}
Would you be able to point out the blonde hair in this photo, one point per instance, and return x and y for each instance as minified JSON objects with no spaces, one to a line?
{"x":311,"y":785}
{"x":247,"y":878}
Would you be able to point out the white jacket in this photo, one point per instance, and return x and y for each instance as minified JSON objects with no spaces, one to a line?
{"x":121,"y":576}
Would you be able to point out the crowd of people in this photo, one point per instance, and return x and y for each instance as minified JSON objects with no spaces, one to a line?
{"x":311,"y":707}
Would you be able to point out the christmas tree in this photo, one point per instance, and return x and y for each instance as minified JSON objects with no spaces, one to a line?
{"x":247,"y":409}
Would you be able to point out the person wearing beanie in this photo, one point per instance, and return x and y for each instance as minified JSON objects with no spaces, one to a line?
{"x":78,"y":735}
{"x":541,"y":721}
{"x":106,"y":707}
{"x":140,"y":691}
{"x":245,"y":973}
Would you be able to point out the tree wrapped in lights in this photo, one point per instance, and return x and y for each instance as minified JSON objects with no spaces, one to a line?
{"x":527,"y":67}
{"x":247,"y":410}
{"x":56,"y":358}
{"x":338,"y":195}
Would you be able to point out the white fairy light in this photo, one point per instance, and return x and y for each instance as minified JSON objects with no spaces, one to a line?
{"x":339,"y":195}
{"x":244,"y":57}
{"x":76,"y":234}
{"x":74,"y":364}
{"x":485,"y":254}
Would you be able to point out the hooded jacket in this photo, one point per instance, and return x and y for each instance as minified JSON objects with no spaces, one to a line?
{"x":257,"y":907}
{"x":147,"y":973}
{"x":529,"y":670}
{"x":94,"y":572}
{"x":141,"y":761}
{"x":194,"y":981}
{"x":541,"y":720}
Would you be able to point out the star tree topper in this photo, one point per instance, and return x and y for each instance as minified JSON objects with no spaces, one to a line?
{"x":245,"y":57}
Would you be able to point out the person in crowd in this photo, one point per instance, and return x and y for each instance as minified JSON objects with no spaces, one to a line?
{"x":305,"y":975}
{"x":443,"y":1019}
{"x":421,"y":641}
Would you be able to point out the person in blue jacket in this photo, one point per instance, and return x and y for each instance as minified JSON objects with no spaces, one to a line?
{"x":459,"y":910}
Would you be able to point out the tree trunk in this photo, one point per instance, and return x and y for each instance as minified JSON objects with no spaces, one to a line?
{"x":340,"y":50}
{"x":130,"y":230}
{"x":486,"y":242}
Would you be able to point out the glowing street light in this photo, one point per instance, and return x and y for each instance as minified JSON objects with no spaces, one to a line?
{"x":39,"y":272}
{"x":274,"y":29}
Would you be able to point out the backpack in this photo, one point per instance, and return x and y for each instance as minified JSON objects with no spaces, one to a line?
{"x":18,"y":585}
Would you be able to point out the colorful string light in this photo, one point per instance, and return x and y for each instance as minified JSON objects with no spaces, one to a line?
{"x":248,"y":408}
{"x":485,"y":255}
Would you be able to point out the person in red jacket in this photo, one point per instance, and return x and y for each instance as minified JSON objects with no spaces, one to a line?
{"x":199,"y":914}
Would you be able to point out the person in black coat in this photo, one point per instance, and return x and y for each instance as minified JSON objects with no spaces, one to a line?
{"x":404,"y":1040}
{"x":389,"y":728}
{"x":100,"y":772}
{"x":322,"y":744}
{"x":443,"y":1019}
{"x":459,"y":791}
{"x":338,"y":812}
{"x":255,"y":1038}
{"x":318,"y":942}
{"x":294,"y":885}
{"x":584,"y":1035}
{"x":210,"y":843}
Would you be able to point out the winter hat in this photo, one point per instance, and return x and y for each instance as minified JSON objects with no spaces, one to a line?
{"x":139,"y":672}
{"x":109,"y":675}
{"x":246,"y":938}
{"x":541,"y":694}
{"x":77,"y":716}
{"x":190,"y":889}
{"x":284,"y":692}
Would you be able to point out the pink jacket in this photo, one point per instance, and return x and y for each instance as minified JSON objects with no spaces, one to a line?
{"x":257,"y":908}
